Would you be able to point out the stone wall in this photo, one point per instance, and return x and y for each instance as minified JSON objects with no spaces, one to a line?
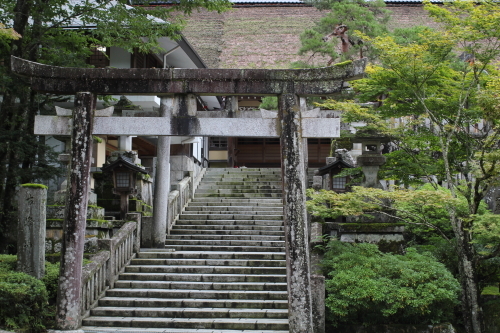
{"x":268,"y":37}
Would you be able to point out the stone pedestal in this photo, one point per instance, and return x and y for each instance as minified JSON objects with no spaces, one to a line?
{"x":31,"y":230}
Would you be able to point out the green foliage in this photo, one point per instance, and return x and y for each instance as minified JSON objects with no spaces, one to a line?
{"x":23,"y":301}
{"x":369,"y":17}
{"x":369,"y":287}
{"x":269,"y":103}
{"x":51,"y":281}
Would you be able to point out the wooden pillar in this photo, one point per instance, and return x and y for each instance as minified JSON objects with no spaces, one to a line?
{"x":70,"y":275}
{"x":295,"y":216}
{"x":162,"y":179}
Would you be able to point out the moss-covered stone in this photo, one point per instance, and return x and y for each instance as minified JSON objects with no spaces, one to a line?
{"x":368,"y":227}
{"x":34,"y":185}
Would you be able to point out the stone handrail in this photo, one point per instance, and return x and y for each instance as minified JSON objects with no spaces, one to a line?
{"x":184,"y":187}
{"x":121,"y":248}
{"x":173,"y":208}
{"x":94,"y":281}
{"x":102,"y":272}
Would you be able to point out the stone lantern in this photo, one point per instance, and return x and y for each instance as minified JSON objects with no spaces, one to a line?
{"x":124,"y":174}
{"x":371,"y":158}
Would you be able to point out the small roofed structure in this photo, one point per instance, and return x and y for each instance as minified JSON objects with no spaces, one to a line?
{"x":333,"y":168}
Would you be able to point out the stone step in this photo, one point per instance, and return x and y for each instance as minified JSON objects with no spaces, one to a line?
{"x":229,"y":216}
{"x":275,"y":227}
{"x":198,"y":294}
{"x":238,"y":195}
{"x":209,"y":262}
{"x":193,"y":302}
{"x":236,"y":178}
{"x":177,"y":285}
{"x":245,"y":211}
{"x":94,"y":329}
{"x":212,"y":208}
{"x":241,"y":185}
{"x":226,"y":248}
{"x":178,"y":231}
{"x":225,"y":182}
{"x":203,"y":269}
{"x":197,"y":277}
{"x":275,"y":171}
{"x":236,"y":203}
{"x":244,"y":170}
{"x":211,"y":255}
{"x":237,"y":190}
{"x":237,"y":243}
{"x":206,"y":323}
{"x":239,"y":200}
{"x":181,"y":312}
{"x":212,"y":237}
{"x":238,"y":222}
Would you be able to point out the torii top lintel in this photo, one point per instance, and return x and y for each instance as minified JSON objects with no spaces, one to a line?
{"x":204,"y":81}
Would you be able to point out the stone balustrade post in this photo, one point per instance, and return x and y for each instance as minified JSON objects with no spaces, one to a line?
{"x":136,"y":217}
{"x":32,"y":200}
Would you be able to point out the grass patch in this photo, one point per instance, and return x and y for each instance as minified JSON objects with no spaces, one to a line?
{"x":491,"y":290}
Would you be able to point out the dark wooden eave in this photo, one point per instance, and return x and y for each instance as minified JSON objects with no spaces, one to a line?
{"x":338,"y":164}
{"x":202,"y":81}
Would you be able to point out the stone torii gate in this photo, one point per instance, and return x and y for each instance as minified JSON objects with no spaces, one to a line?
{"x":178,"y":117}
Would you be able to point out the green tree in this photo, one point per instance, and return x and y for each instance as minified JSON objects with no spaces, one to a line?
{"x":42,"y":23}
{"x":369,"y":17}
{"x":443,"y":89}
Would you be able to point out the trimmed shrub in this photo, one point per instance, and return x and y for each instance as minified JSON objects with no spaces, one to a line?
{"x":366,"y":286}
{"x":23,"y":301}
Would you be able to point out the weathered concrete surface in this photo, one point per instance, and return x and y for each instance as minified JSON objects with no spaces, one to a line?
{"x":146,"y":231}
{"x":31,"y":231}
{"x":318,"y":295}
{"x":295,"y":216}
{"x":240,"y":127}
{"x":153,"y":81}
{"x":136,"y":217}
{"x":70,"y":277}
{"x":162,"y":186}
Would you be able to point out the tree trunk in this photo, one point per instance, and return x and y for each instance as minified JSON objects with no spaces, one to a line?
{"x":471,"y":309}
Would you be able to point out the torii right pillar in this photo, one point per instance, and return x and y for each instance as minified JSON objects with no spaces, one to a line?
{"x":295,"y":215}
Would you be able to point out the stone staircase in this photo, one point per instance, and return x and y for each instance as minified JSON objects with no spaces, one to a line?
{"x":223,"y":268}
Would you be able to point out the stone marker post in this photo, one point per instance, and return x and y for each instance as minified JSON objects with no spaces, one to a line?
{"x":295,"y":215}
{"x":31,"y":230}
{"x":70,"y":275}
{"x":162,"y":179}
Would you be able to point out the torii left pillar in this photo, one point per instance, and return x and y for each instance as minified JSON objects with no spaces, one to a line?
{"x":68,"y":315}
{"x":295,"y":214}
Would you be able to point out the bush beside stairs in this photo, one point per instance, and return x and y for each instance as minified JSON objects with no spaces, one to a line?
{"x":223,"y":268}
